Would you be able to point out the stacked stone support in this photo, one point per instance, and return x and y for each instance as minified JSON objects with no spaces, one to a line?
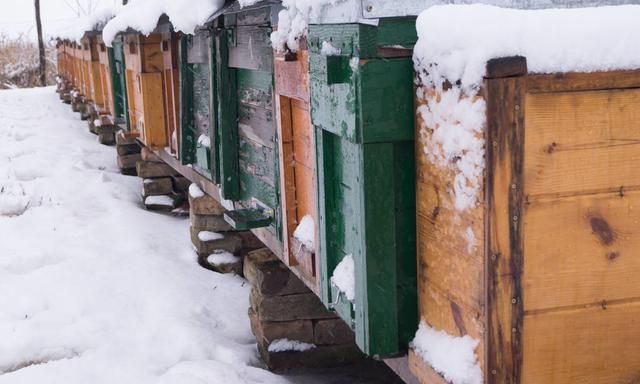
{"x":219,"y":247}
{"x":292,"y":327}
{"x":128,"y":152}
{"x":158,"y":193}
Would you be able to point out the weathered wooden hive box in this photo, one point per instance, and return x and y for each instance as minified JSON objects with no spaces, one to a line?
{"x":362,"y":108}
{"x":542,"y":272}
{"x":246,"y":119}
{"x":78,"y":68}
{"x":144,"y":63}
{"x":91,"y":62}
{"x":171,"y":83}
{"x":70,"y":62}
{"x":114,"y":85}
{"x":296,"y":146}
{"x":198,"y":130}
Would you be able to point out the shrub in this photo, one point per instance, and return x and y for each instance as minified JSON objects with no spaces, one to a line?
{"x":19,"y":62}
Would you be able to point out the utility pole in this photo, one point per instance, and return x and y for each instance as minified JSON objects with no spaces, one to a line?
{"x":43,"y":73}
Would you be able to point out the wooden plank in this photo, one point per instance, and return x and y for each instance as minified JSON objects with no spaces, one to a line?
{"x":423,"y":371}
{"x":588,"y":346}
{"x":252,"y":50}
{"x":227,"y":114}
{"x":581,"y":250}
{"x":155,"y":134}
{"x":292,"y":77}
{"x":506,"y":67}
{"x":565,"y":82}
{"x":504,"y":194}
{"x":582,"y":141}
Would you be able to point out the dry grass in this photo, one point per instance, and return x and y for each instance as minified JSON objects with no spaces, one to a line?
{"x":19,"y":62}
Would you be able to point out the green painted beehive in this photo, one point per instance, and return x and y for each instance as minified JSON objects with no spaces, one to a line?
{"x":245,"y":115}
{"x":198,"y":104}
{"x":119,"y":87}
{"x":362,"y":108}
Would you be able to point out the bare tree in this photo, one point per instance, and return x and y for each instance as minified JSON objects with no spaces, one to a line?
{"x":43,"y":63}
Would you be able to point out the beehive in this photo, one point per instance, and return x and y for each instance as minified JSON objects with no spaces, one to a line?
{"x":145,"y":95}
{"x":541,"y":270}
{"x":361,"y":104}
{"x":199,"y":132}
{"x":91,"y":65}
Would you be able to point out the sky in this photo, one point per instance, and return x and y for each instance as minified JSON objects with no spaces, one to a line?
{"x":18,"y":16}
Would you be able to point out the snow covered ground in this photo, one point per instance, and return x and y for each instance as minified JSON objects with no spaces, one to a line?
{"x":93,"y":288}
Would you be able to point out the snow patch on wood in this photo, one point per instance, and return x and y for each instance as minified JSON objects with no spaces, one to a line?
{"x":453,"y":357}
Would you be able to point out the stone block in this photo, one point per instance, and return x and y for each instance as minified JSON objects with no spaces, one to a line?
{"x":127,"y":148}
{"x":181,"y":184}
{"x":106,"y":138}
{"x":322,"y":356}
{"x":128,"y":161}
{"x":121,"y":138}
{"x":269,"y":276}
{"x":205,"y":205}
{"x":150,"y":169}
{"x":159,"y":186}
{"x":301,"y":306}
{"x":250,"y":242}
{"x":214,"y":223}
{"x":268,"y":331}
{"x":161,"y":203}
{"x":331,"y":332}
{"x":229,"y":243}
{"x":149,"y":155}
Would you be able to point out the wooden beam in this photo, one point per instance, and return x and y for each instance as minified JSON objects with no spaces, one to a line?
{"x":504,"y":243}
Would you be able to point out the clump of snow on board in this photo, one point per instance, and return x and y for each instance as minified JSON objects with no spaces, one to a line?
{"x":143,"y":16}
{"x":344,"y":277}
{"x":453,"y":357}
{"x":195,"y":191}
{"x":285,"y":345}
{"x":305,"y":232}
{"x":222,"y":257}
{"x":209,"y":236}
{"x":204,"y":141}
{"x":293,"y":21}
{"x":329,"y":50}
{"x":456,"y":41}
{"x":160,"y":200}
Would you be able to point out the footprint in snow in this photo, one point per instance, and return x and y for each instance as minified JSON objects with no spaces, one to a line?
{"x":14,"y":200}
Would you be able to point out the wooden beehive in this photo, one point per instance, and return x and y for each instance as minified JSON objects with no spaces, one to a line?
{"x":105,"y":76}
{"x":296,"y":147}
{"x":198,"y":137}
{"x":549,"y":286}
{"x":171,"y":86}
{"x":361,"y":107}
{"x":145,"y":92}
{"x":245,"y":116}
{"x":91,"y":62}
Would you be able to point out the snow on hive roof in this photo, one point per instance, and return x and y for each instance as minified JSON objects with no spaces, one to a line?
{"x":143,"y":16}
{"x":456,"y":41}
{"x":93,"y":22}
